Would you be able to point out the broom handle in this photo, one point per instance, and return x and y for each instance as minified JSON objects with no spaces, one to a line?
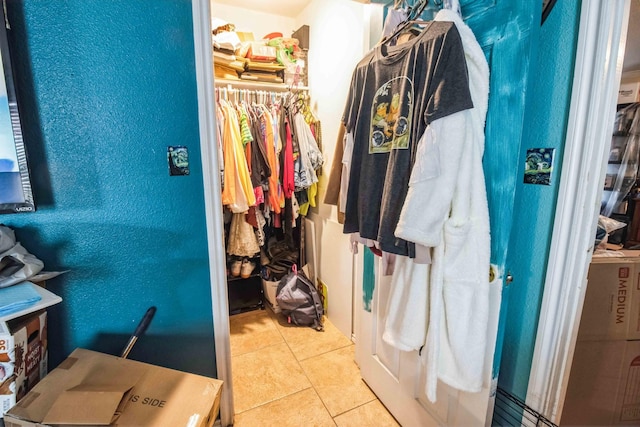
{"x":142,"y":326}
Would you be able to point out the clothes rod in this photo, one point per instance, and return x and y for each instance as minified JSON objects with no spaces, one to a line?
{"x":246,"y":84}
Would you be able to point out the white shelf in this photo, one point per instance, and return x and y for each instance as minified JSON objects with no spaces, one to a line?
{"x":48,"y":299}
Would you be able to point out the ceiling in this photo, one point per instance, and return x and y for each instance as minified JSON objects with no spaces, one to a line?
{"x":632,"y":51}
{"x":290,"y":8}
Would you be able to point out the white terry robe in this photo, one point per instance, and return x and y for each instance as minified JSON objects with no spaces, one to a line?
{"x":446,"y":208}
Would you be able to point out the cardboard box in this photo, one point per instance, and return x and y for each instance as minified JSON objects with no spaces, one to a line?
{"x":604,"y":385}
{"x":629,"y":92}
{"x":91,"y":388}
{"x":23,"y":357}
{"x":612,"y":301}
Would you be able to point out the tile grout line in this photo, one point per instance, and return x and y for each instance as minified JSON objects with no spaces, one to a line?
{"x":271,"y":315}
{"x":275,"y":400}
{"x":324,"y":405}
{"x":257,"y":349}
{"x":323,"y":353}
{"x":299,"y":365}
{"x":356,"y":407}
{"x":281,"y":397}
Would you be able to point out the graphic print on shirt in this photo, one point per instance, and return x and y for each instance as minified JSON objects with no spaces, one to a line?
{"x":391,"y":115}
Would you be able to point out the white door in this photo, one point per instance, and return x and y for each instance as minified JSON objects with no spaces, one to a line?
{"x":505,"y":29}
{"x":398,"y":377}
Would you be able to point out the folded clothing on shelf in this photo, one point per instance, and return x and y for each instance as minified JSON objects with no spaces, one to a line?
{"x":227,"y":60}
{"x":222,"y":72}
{"x":259,"y":51}
{"x":226,"y":40}
{"x":264,"y":66}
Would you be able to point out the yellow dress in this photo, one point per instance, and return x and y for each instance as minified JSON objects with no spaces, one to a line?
{"x":238,"y":192}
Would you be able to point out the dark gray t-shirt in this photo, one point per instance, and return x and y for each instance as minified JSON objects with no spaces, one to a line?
{"x":395,"y":93}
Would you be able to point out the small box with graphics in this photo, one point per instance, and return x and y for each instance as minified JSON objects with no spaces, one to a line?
{"x":23,"y":357}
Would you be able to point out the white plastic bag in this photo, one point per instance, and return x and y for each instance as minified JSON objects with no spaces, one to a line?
{"x":16,"y":264}
{"x":606,"y":226}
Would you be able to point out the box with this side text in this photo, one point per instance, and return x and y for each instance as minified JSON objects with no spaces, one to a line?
{"x":91,"y":388}
{"x":23,"y":357}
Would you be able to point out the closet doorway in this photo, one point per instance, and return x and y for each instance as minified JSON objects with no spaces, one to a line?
{"x":332,"y":56}
{"x":515,"y":45}
{"x":215,"y":236}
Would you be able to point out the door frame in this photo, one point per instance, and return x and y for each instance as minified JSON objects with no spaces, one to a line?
{"x":213,"y":202}
{"x":594,"y":96}
{"x":597,"y":72}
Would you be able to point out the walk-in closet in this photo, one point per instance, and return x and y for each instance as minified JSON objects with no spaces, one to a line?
{"x":330,"y":59}
{"x":277,"y":365}
{"x":431,"y":340}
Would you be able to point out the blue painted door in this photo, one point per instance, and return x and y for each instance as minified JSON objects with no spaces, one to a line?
{"x":506,"y":30}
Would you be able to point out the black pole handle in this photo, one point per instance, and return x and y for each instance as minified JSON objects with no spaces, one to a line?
{"x":142,"y":326}
{"x":144,"y":323}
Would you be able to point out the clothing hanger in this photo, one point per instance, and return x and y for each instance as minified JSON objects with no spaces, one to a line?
{"x":400,"y":4}
{"x":412,"y":19}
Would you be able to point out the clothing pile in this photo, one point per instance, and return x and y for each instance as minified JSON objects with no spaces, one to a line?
{"x":238,"y":56}
{"x":271,"y":158}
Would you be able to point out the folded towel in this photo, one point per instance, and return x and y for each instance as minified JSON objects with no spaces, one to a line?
{"x":18,"y":297}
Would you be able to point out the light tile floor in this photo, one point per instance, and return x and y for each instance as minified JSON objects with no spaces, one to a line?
{"x":294,"y":376}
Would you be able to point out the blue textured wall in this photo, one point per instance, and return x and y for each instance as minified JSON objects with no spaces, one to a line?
{"x":548,"y":100}
{"x":104,"y":87}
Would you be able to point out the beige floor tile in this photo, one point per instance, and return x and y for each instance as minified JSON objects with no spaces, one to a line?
{"x":306,"y":342}
{"x":337,"y":380}
{"x":300,"y":409}
{"x":372,"y":414}
{"x":252,"y":331}
{"x":265,"y":375}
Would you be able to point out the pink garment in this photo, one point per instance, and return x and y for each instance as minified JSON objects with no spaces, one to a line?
{"x":288,"y":182}
{"x":259,"y":193}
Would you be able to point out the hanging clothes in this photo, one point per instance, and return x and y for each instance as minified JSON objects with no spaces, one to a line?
{"x":242,"y":239}
{"x":310,"y":157}
{"x":262,"y":147}
{"x":238,"y":191}
{"x":287,"y":160}
{"x":448,"y":178}
{"x":412,"y":152}
{"x":396,"y":91}
{"x":276,"y":194}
